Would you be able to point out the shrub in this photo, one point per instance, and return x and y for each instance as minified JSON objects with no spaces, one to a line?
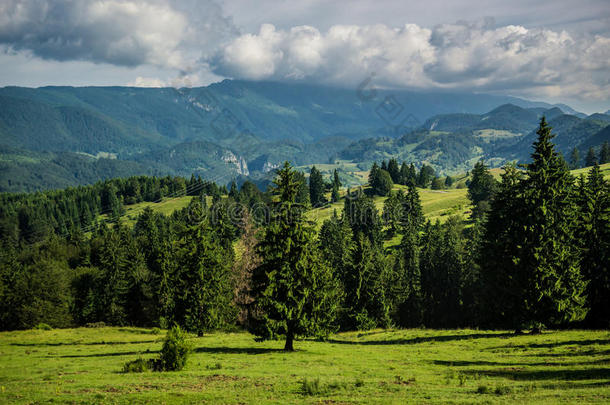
{"x":483,"y":389}
{"x":43,"y":326}
{"x":155,"y":331}
{"x":95,"y":325}
{"x":138,"y":365}
{"x":175,"y":350}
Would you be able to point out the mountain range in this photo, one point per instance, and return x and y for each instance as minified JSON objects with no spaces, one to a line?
{"x":53,"y":137}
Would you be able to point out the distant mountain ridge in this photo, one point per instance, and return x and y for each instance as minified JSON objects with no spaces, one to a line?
{"x":227,"y":129}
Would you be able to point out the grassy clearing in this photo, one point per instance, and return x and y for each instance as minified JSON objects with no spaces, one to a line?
{"x":405,"y":366}
{"x":437,"y":204}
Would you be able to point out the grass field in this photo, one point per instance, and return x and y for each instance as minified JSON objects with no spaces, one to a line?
{"x":404,"y":366}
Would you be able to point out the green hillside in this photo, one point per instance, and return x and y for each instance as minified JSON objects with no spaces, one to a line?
{"x":437,"y":204}
{"x":238,"y":128}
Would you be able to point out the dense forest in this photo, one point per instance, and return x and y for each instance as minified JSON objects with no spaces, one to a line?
{"x":533,"y":254}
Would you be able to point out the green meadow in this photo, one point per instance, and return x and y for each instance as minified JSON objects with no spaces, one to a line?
{"x":84,"y":366}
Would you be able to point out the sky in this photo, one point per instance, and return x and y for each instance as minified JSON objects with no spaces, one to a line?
{"x":555,"y":51}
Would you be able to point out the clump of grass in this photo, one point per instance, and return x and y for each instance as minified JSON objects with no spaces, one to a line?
{"x":43,"y":326}
{"x":95,"y":325}
{"x":311,"y":387}
{"x":216,"y":366}
{"x":502,"y":390}
{"x":155,"y":331}
{"x":138,"y":365}
{"x":359,"y":383}
{"x":483,"y":389}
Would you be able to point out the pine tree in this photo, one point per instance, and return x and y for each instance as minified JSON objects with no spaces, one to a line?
{"x":203,"y":294}
{"x":366,"y":286}
{"x":604,"y":153}
{"x":233,"y":192}
{"x":481,"y":189}
{"x":335,"y":187}
{"x":294,"y":291}
{"x":316,"y":188}
{"x":426,"y":174}
{"x":404,"y":173}
{"x":363,"y":217}
{"x":392,"y":212}
{"x":394,"y":171}
{"x":437,"y":184}
{"x":448,"y":181}
{"x":574,"y":158}
{"x":405,"y":285}
{"x":591,"y":159}
{"x":594,"y":237}
{"x":540,"y":262}
{"x":381,"y":182}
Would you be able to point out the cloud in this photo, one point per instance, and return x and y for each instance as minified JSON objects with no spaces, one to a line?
{"x":190,"y":42}
{"x":120,"y":32}
{"x":474,"y":56}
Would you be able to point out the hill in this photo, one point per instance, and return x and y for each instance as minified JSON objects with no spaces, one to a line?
{"x":232,"y":128}
{"x":452,"y":143}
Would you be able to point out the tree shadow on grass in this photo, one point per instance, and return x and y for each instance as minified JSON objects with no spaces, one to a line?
{"x":424,"y":339}
{"x":237,"y":350}
{"x":573,"y":353}
{"x":574,"y":385}
{"x":101,"y":343}
{"x":74,"y":356}
{"x":518,"y":374}
{"x":548,"y":345}
{"x":463,"y":363}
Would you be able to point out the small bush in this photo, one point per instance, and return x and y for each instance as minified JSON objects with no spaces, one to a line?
{"x":359,"y":382}
{"x":95,"y":325}
{"x":483,"y":389}
{"x":43,"y":326}
{"x":155,"y":331}
{"x":138,"y":365}
{"x":175,"y":350}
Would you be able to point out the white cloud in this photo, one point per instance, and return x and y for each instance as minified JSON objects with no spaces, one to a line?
{"x":167,"y":33}
{"x":473,"y":56}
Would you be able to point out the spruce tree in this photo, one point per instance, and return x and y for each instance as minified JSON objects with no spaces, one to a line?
{"x":405,"y":285}
{"x":366,"y":287}
{"x":480,"y":189}
{"x":448,"y":181}
{"x":604,"y":153}
{"x":540,"y":262}
{"x":203,"y":294}
{"x":316,"y":188}
{"x":335,"y":187}
{"x":394,"y":171}
{"x":594,"y":237}
{"x":294,"y":291}
{"x":392,"y":212}
{"x":591,"y":159}
{"x":574,"y":158}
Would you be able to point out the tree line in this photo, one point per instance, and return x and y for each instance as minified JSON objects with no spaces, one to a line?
{"x":533,"y":253}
